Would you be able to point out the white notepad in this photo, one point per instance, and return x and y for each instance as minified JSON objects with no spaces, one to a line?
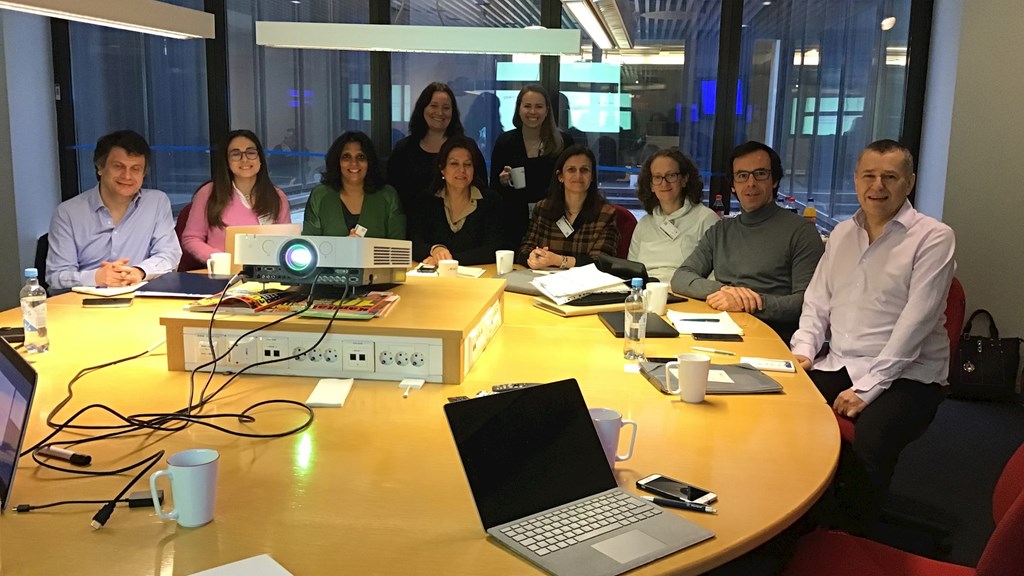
{"x":330,"y":393}
{"x":690,"y":322}
{"x":768,"y":364}
{"x":262,"y":565}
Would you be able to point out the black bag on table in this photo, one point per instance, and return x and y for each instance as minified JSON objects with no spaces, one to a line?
{"x":987,"y":365}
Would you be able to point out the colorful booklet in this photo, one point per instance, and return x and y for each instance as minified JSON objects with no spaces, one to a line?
{"x":245,"y":302}
{"x":361,"y":307}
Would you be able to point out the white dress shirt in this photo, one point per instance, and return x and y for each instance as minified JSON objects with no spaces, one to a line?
{"x":884,"y":302}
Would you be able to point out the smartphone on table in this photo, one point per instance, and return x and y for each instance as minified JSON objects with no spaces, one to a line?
{"x":107,"y":302}
{"x":674,"y":489}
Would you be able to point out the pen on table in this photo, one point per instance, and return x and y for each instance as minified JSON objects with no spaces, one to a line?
{"x":700,"y":319}
{"x":681,"y":504}
{"x":713,"y":350}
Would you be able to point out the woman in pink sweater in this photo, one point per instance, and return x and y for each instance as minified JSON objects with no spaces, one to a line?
{"x":240,"y":194}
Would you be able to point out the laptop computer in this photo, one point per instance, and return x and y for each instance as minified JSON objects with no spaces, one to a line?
{"x":533,"y":460}
{"x":17,"y":388}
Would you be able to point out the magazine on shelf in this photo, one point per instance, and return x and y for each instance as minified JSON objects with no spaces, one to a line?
{"x":360,"y":307}
{"x":244,"y":301}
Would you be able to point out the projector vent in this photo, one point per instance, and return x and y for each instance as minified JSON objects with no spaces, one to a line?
{"x":391,"y":256}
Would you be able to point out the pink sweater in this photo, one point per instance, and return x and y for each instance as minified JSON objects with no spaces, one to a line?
{"x":200,"y":240}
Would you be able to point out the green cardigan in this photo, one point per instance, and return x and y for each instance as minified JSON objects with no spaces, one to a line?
{"x":381,"y":214}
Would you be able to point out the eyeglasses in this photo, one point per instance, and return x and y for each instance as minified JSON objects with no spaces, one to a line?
{"x":250,"y":153}
{"x":671,"y":178}
{"x":761,"y":174}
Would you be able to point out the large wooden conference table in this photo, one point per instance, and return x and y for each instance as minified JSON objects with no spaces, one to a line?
{"x":376,"y":487}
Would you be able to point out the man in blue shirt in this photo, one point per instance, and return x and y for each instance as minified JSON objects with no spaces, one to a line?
{"x":116,"y":234}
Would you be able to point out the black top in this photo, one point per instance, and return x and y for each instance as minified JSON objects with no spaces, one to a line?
{"x":475,"y":243}
{"x":410,"y":170}
{"x":510,"y":150}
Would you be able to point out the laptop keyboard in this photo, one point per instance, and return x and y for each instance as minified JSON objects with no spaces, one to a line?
{"x":580,"y":522}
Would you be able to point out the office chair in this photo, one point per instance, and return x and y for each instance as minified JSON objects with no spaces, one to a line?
{"x":188,"y":261}
{"x":956,"y":307}
{"x":839,"y":554}
{"x":626,"y":223}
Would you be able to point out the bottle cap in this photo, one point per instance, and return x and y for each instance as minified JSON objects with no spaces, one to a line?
{"x":31,"y":273}
{"x":637,"y":283}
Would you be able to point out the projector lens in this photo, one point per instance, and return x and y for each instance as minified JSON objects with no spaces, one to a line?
{"x":298,"y":257}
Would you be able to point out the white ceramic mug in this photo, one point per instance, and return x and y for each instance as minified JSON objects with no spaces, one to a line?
{"x":193,"y":475}
{"x":448,"y":268}
{"x":219,"y":264}
{"x":518,"y":178}
{"x":503,"y":260}
{"x":657,"y":297}
{"x":609,"y":424}
{"x":690,"y":372}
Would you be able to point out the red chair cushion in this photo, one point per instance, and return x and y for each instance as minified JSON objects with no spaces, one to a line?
{"x":846,"y":428}
{"x":830,"y":553}
{"x":626,"y":223}
{"x":188,"y":261}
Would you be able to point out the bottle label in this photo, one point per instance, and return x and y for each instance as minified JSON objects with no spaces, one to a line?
{"x":35,"y":316}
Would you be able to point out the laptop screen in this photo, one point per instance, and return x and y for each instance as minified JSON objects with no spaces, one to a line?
{"x":17,"y":386}
{"x":528,"y":450}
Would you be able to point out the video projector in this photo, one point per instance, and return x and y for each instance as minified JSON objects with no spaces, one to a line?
{"x":331,"y":260}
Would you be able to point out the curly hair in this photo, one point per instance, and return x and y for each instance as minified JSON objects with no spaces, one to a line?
{"x":331,"y":175}
{"x":692,"y":186}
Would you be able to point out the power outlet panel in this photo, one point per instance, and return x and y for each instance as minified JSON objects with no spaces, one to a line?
{"x":337,"y":356}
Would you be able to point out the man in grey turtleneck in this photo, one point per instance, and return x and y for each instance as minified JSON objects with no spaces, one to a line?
{"x":763,"y":259}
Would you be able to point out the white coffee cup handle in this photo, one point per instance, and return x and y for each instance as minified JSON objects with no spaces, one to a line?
{"x":632,"y":441}
{"x":173,"y":514}
{"x":668,"y":377}
{"x":209,"y":266}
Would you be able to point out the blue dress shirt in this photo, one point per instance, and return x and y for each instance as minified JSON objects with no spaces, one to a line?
{"x":83,"y":234}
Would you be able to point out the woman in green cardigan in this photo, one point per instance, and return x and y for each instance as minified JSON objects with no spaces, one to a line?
{"x":352,"y":193}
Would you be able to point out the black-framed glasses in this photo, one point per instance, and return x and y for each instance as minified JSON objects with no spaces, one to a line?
{"x":250,"y":153}
{"x":671,"y":178}
{"x":761,"y":174}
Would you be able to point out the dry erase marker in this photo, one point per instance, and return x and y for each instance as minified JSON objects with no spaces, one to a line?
{"x":713,"y":350}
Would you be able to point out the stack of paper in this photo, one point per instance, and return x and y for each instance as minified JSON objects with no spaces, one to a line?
{"x":689,"y":322}
{"x":578,"y":282}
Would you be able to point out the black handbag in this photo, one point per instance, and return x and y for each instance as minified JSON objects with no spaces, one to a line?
{"x":987,"y":366}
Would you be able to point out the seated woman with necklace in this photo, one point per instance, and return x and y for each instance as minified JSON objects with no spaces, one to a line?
{"x":574,"y":223}
{"x":352,"y":193}
{"x":461,"y":220}
{"x":240,"y":194}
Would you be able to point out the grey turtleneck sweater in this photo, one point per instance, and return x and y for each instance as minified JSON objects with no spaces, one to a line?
{"x":772,"y":251}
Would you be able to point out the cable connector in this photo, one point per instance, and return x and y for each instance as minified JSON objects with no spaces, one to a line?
{"x":102,"y":516}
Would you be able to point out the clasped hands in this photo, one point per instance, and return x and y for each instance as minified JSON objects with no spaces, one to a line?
{"x":736,"y":299}
{"x":543,"y":258}
{"x":118,"y":273}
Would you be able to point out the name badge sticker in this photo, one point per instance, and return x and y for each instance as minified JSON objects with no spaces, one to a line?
{"x":564,"y":226}
{"x":670,"y":229}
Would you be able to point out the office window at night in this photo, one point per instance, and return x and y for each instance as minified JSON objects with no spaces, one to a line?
{"x":296,"y":101}
{"x":150,"y":84}
{"x":819,"y":80}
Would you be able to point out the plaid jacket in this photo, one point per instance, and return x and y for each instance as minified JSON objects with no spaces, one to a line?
{"x":590,"y":236}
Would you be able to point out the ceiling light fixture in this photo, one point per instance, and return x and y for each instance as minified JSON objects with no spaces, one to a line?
{"x":145,"y":16}
{"x":583,"y":13}
{"x":390,"y":38}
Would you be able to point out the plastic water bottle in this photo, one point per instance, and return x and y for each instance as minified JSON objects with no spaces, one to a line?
{"x":810,"y":213}
{"x":790,"y":204}
{"x":635,"y":324}
{"x":33,"y":313}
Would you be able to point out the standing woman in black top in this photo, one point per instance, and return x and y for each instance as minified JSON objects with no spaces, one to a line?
{"x":435,"y":118}
{"x":534,"y":145}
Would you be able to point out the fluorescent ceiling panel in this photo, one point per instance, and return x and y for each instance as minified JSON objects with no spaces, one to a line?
{"x":146,"y":16}
{"x":390,"y":38}
{"x":585,"y":17}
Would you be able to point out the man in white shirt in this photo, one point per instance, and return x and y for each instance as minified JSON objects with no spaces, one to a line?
{"x":881,"y":290}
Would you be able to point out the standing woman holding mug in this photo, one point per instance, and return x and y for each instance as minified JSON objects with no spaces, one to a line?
{"x":435,"y":118}
{"x":533,"y":147}
{"x":240,"y":194}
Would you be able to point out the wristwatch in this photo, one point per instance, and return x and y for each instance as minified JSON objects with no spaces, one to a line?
{"x":565,"y":262}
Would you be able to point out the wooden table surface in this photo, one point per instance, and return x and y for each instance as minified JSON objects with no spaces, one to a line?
{"x":376,"y":487}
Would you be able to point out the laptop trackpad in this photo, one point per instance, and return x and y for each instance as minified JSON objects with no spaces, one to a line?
{"x":629,"y":546}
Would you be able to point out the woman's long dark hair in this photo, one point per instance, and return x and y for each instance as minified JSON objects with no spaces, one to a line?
{"x":554,"y":205}
{"x":266,"y":202}
{"x":692,"y":189}
{"x":418,"y":124}
{"x":331,"y":175}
